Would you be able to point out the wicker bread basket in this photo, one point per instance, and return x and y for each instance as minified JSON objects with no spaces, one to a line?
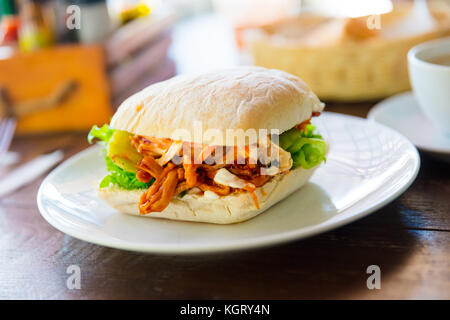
{"x":348,"y":69}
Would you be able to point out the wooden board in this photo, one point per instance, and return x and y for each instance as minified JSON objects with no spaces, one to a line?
{"x":35,"y":76}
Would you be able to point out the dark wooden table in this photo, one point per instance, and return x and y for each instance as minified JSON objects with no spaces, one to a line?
{"x":409,"y":239}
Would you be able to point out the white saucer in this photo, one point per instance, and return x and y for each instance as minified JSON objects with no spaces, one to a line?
{"x":402,"y":113}
{"x":368,"y":166}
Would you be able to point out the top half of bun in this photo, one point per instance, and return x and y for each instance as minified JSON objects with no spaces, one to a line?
{"x":232,"y":99}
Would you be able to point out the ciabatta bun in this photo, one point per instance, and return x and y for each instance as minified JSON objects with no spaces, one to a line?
{"x":223,"y":210}
{"x":226,"y":101}
{"x":239,"y":98}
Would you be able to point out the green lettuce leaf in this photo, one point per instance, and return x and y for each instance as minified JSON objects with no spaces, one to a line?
{"x":121,"y":178}
{"x":310,"y":132}
{"x":117,"y":175}
{"x":307,"y":148}
{"x":103,"y":134}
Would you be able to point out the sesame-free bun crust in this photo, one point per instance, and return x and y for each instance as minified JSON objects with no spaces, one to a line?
{"x":223,"y":210}
{"x":238,"y":98}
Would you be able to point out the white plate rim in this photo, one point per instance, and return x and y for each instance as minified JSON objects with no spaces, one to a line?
{"x":382,"y":105}
{"x":263,"y":241}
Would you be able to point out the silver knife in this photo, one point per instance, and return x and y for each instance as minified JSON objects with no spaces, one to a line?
{"x":29,"y":171}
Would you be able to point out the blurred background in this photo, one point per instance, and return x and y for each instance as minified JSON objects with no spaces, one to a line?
{"x":67,"y":65}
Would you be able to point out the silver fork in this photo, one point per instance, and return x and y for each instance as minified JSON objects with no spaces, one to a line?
{"x":7,"y":123}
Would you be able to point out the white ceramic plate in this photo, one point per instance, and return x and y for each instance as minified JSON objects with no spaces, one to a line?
{"x":402,"y":113}
{"x":368,"y":166}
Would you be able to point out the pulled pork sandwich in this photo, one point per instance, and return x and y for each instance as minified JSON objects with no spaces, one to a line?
{"x":182,"y":149}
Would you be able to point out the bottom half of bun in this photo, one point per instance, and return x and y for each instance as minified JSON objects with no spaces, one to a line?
{"x":233,"y":208}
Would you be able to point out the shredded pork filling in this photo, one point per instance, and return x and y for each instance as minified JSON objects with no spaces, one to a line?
{"x":181,"y":173}
{"x":175,"y":173}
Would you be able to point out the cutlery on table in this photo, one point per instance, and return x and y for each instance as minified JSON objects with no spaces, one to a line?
{"x":29,"y":171}
{"x":7,"y":123}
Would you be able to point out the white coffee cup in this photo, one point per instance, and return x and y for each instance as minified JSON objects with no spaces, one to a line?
{"x":431,"y":82}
